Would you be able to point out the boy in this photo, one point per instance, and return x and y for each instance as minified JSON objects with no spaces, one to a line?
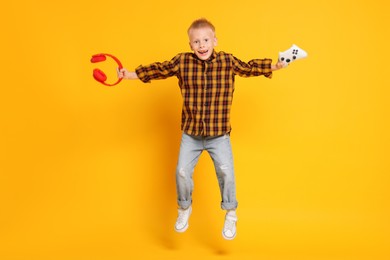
{"x":206,"y":80}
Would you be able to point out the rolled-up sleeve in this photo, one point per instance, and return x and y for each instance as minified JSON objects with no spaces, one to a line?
{"x":158,"y":70}
{"x":255,"y":67}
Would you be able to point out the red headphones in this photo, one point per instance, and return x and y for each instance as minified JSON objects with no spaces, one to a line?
{"x":98,"y":74}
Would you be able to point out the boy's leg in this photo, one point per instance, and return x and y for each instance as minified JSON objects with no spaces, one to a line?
{"x":220,"y":151}
{"x":190,"y":151}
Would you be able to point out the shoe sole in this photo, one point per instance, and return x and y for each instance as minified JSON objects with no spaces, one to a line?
{"x":228,"y":238}
{"x":182,"y":230}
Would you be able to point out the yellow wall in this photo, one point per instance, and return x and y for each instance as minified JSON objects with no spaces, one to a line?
{"x":87,"y":172}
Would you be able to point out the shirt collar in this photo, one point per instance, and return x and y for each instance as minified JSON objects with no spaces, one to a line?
{"x":213,"y":56}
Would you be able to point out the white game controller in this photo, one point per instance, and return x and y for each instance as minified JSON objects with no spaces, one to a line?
{"x":292,"y":54}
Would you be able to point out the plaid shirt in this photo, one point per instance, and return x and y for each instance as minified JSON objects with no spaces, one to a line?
{"x":206,"y":86}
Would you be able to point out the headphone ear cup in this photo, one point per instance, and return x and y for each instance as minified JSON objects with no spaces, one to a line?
{"x":98,"y":58}
{"x":99,"y":75}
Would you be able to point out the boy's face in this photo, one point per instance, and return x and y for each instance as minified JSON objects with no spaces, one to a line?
{"x":202,"y":42}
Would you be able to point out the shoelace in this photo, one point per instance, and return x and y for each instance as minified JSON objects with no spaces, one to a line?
{"x":229,"y":224}
{"x":182,"y":216}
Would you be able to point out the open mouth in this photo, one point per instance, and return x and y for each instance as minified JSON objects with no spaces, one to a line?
{"x":203,"y":52}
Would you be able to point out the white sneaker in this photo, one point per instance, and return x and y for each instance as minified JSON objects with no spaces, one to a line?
{"x":182,"y":219}
{"x":229,"y":229}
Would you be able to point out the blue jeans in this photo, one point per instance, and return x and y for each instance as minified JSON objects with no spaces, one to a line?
{"x":219,"y":148}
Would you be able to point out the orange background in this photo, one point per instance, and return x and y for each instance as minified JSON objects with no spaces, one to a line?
{"x":87,"y":171}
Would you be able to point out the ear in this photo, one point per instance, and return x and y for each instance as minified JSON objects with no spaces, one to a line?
{"x":215,"y":41}
{"x":190,"y":46}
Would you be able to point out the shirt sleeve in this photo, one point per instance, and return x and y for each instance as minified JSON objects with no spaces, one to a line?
{"x":255,"y":67}
{"x":158,"y":70}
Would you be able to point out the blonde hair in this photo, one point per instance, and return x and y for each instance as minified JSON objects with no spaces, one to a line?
{"x":201,"y":23}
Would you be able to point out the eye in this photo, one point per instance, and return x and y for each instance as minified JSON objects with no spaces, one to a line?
{"x":206,"y":40}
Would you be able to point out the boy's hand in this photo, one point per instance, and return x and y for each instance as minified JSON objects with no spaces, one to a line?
{"x":122,"y":73}
{"x":277,"y":66}
{"x":125,"y":74}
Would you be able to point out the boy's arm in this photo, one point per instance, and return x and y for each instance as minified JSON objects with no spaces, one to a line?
{"x":156,"y":70}
{"x":255,"y":67}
